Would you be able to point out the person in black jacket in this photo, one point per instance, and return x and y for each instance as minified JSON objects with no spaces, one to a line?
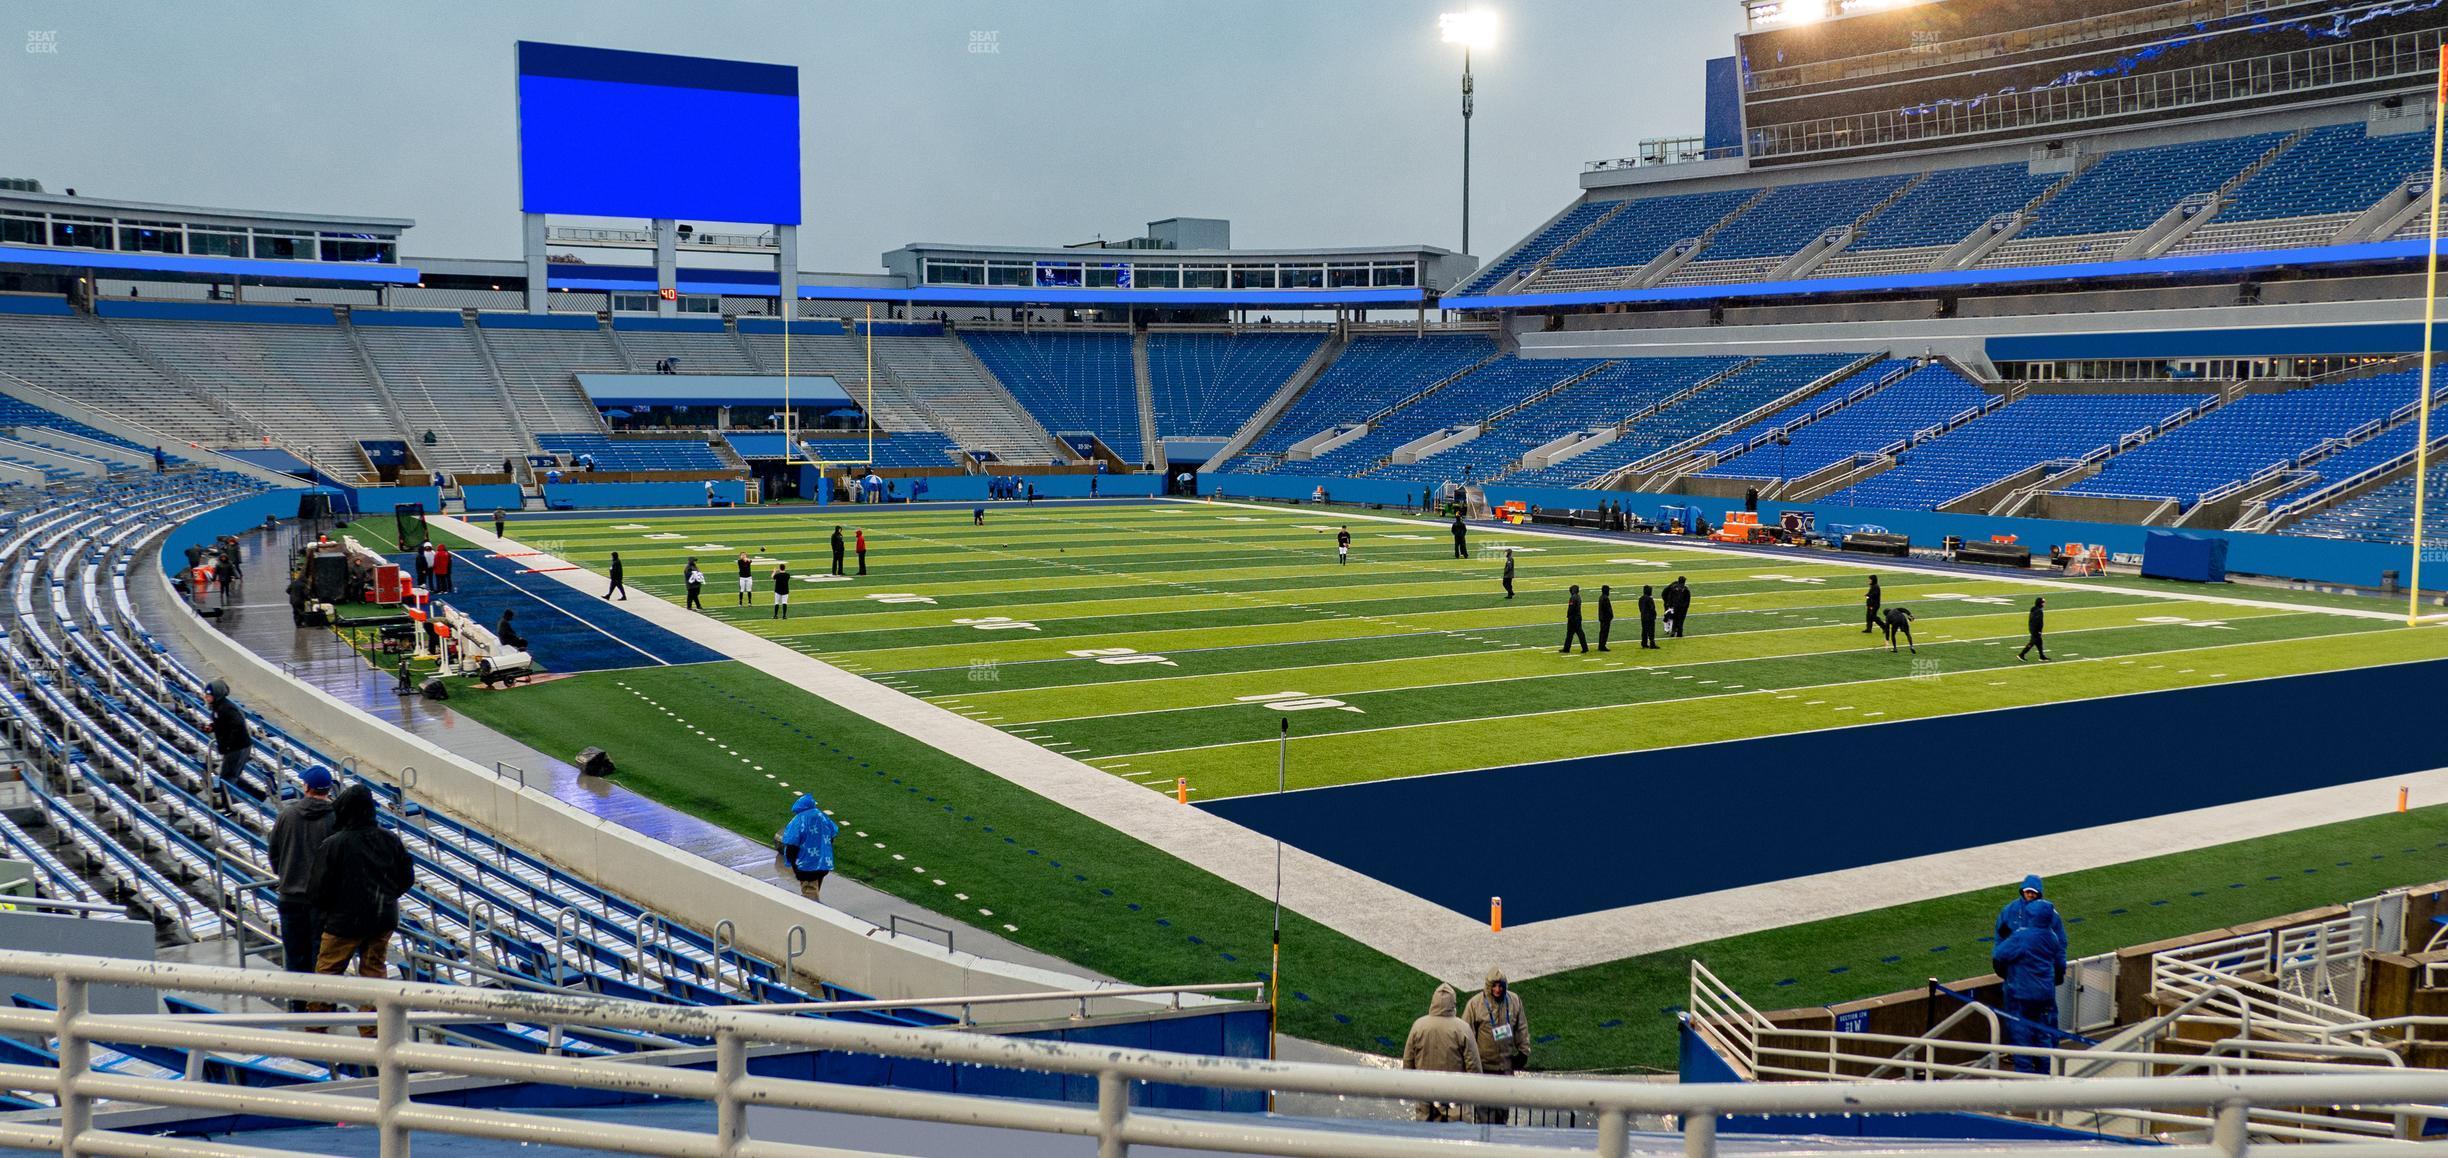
{"x":1648,"y":618}
{"x":297,"y":834}
{"x":1508,"y":575}
{"x":617,"y":588}
{"x":1572,"y":622}
{"x":1343,"y":546}
{"x":1899,"y":618}
{"x":2037,"y":619}
{"x":781,"y":582}
{"x":695,"y":580}
{"x":837,"y":551}
{"x":1461,"y":535}
{"x":360,"y":872}
{"x":1606,"y":615}
{"x":1678,"y":606}
{"x":231,"y":739}
{"x":507,"y":633}
{"x":1870,"y":605}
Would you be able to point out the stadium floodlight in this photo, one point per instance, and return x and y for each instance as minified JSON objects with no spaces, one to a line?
{"x":1473,"y":29}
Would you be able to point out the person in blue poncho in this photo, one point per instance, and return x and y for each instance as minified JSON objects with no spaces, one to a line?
{"x":2031,"y":962}
{"x":807,"y":844}
{"x":2010,"y":918}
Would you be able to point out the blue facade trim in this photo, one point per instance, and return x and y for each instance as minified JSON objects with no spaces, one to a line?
{"x":538,"y":322}
{"x":210,"y":312}
{"x":229,"y":267}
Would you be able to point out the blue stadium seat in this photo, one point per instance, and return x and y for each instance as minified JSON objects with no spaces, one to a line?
{"x":2244,"y":437}
{"x":1069,"y":382}
{"x":1208,"y":385}
{"x":2035,"y":429}
{"x":634,"y":453}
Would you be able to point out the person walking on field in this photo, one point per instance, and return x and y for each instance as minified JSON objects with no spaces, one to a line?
{"x":2035,"y":621}
{"x":1343,"y":546}
{"x":618,"y":588}
{"x":1899,"y":619}
{"x":807,"y":844}
{"x":1508,"y":573}
{"x":781,"y":585}
{"x":837,"y":551}
{"x":296,"y":835}
{"x":1870,"y":603}
{"x":747,"y":578}
{"x":498,"y":532}
{"x":1441,"y":1043}
{"x":360,"y":872}
{"x":1606,"y":614}
{"x":1648,"y":618}
{"x":1572,"y":622}
{"x":1461,"y":534}
{"x":862,"y":550}
{"x":1678,"y":606}
{"x":695,"y":581}
{"x":1502,"y":1031}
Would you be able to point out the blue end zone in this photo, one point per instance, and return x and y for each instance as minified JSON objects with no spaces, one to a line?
{"x":1580,"y":836}
{"x":567,"y":630}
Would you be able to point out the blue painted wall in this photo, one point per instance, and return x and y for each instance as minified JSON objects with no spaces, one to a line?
{"x":407,"y":319}
{"x":215,"y":312}
{"x":482,"y":498}
{"x":600,"y":496}
{"x":2286,"y":556}
{"x":538,"y":321}
{"x":381,"y":500}
{"x":669,"y":325}
{"x":46,"y":305}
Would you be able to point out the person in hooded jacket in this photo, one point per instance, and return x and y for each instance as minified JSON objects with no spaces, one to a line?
{"x":1461,"y":536}
{"x":1677,"y":597}
{"x":837,"y":551}
{"x":1870,"y":608}
{"x":807,"y":843}
{"x":1502,"y":1033}
{"x":694,"y":580}
{"x":2010,"y":917}
{"x":2030,"y":963}
{"x":360,"y":872}
{"x":232,"y":739}
{"x":1648,"y":617}
{"x":1441,"y":1043}
{"x":297,"y":834}
{"x":617,"y":588}
{"x":2037,"y":620}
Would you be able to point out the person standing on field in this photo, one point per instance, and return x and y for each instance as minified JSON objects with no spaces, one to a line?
{"x":1508,"y":573}
{"x":747,"y":578}
{"x":1572,"y":622}
{"x":1606,"y":615}
{"x":1343,"y":546}
{"x":1678,"y":606}
{"x":1502,"y":1032}
{"x":1441,"y":1043}
{"x":781,"y":588}
{"x":695,"y":581}
{"x":837,"y":551}
{"x":1461,"y":534}
{"x":1870,"y":604}
{"x":617,"y":588}
{"x":1648,"y":618}
{"x":498,"y":531}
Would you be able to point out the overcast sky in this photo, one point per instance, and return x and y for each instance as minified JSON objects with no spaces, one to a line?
{"x":1305,"y":122}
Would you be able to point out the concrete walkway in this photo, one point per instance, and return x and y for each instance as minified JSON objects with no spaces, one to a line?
{"x":1442,"y":943}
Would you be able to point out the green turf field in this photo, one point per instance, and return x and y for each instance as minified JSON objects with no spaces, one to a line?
{"x":1162,"y":642}
{"x":1259,"y":600}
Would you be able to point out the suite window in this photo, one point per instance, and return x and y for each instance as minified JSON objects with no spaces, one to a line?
{"x":355,"y":247}
{"x":1113,"y":276}
{"x":151,"y":237}
{"x":284,"y":247}
{"x":1301,"y":277}
{"x":1395,"y":275}
{"x":1060,"y":275}
{"x":1347,"y":276}
{"x":24,"y":231}
{"x":209,"y":244}
{"x":1158,"y":276}
{"x":956,"y":273}
{"x":1008,"y":273}
{"x":1253,"y":277}
{"x":81,"y":232}
{"x":1203,"y":276}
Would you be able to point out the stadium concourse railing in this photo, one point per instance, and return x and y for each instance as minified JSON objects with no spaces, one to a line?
{"x":400,"y":1064}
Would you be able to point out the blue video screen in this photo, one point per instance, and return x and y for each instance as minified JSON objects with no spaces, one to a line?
{"x":604,"y":133}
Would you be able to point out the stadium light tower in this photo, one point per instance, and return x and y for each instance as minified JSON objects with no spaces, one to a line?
{"x":1473,"y":29}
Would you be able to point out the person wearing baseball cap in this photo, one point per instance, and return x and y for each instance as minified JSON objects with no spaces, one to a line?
{"x":296,"y":833}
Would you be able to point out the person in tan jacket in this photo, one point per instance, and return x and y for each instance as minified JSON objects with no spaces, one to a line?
{"x":1500,"y":1031}
{"x":1440,"y":1041}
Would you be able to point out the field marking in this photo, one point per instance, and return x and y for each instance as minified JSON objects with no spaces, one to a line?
{"x":1818,"y":687}
{"x":1664,"y":669}
{"x":1835,"y":560}
{"x":591,"y":626}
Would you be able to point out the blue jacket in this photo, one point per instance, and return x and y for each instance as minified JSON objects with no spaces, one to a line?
{"x":2010,"y":918}
{"x":808,"y":839}
{"x":2031,"y":960}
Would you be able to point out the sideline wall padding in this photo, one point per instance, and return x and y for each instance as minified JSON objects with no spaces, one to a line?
{"x":605,"y":496}
{"x":483,"y":499}
{"x":237,"y":518}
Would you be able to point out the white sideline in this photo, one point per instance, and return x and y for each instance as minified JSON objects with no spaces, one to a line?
{"x":1440,"y":942}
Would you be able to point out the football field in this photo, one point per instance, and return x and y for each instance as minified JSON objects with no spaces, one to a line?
{"x":1164,"y":642}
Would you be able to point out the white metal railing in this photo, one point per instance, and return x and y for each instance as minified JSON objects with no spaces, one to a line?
{"x":2272,"y":1103}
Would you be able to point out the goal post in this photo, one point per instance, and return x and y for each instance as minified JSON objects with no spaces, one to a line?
{"x":2422,"y":421}
{"x":805,"y":453}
